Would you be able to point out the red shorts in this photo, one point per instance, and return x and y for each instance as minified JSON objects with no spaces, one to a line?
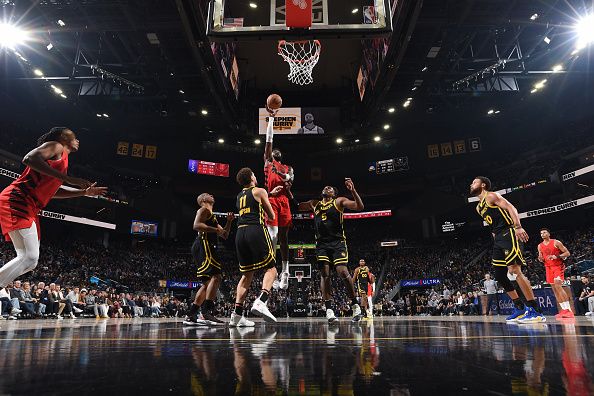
{"x":282,"y":212}
{"x":12,"y":219}
{"x":555,"y":271}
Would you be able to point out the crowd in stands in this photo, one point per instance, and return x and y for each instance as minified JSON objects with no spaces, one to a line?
{"x":128,"y":278}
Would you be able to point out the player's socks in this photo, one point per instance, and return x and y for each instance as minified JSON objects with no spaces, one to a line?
{"x":194,"y":310}
{"x":328,"y":304}
{"x":519,"y":304}
{"x":532,"y":304}
{"x":285,"y":265}
{"x":264,"y":295}
{"x":238,"y":309}
{"x":354,"y":301}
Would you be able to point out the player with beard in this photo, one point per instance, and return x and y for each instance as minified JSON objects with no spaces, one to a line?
{"x":331,"y":246}
{"x":552,"y":252}
{"x":205,"y":256}
{"x":277,"y":176}
{"x":508,"y":239}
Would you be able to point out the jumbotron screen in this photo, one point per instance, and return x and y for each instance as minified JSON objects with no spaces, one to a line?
{"x":139,"y":227}
{"x":208,"y":168}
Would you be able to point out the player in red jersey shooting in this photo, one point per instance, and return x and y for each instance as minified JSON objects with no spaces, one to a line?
{"x":278,"y":176}
{"x":21,"y":201}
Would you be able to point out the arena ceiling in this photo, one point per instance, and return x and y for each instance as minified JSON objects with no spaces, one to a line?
{"x":164,"y":77}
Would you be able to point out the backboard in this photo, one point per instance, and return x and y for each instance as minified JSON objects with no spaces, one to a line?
{"x":240,"y":20}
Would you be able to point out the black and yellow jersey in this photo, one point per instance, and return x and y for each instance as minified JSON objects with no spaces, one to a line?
{"x":328,"y":221}
{"x":363,"y":275}
{"x":250,"y":210}
{"x":497,"y":218}
{"x":211,"y":237}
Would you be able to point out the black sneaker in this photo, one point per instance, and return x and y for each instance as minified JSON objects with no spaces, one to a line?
{"x":212,"y":319}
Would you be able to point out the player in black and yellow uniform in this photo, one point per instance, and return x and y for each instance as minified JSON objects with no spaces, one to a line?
{"x":205,"y":256}
{"x":254,"y":248}
{"x":362,"y":277}
{"x":508,"y":239}
{"x":331,"y":246}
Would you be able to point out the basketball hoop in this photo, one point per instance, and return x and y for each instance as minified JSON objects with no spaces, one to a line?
{"x":299,"y":276}
{"x":302,"y":56}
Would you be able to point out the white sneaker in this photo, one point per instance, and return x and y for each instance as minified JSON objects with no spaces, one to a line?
{"x":72,"y":315}
{"x":589,"y":313}
{"x":284,"y":281}
{"x":276,"y":284}
{"x":240,"y":321}
{"x":77,"y":310}
{"x":356,"y":313}
{"x":59,"y":317}
{"x":330,"y":316}
{"x":259,"y":308}
{"x":12,"y":317}
{"x":15,"y":311}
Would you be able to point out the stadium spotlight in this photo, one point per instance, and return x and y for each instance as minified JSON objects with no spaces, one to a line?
{"x":414,"y":89}
{"x":557,"y":68}
{"x":540,"y":84}
{"x":99,"y":115}
{"x":38,"y":72}
{"x":204,"y":112}
{"x":221,"y":140}
{"x":391,"y":110}
{"x":61,"y":23}
{"x":585,"y":31}
{"x":181,"y":91}
{"x":105,"y":115}
{"x":11,"y":36}
{"x":387,"y":126}
{"x":355,"y":10}
{"x":534,"y":90}
{"x":357,"y":140}
{"x":253,"y":5}
{"x":49,"y":46}
{"x":491,"y":111}
{"x":57,"y":90}
{"x":63,"y":96}
{"x":377,"y":139}
{"x":257,"y":141}
{"x":547,"y":40}
{"x":425,"y":68}
{"x":534,"y":17}
{"x":338,"y":140}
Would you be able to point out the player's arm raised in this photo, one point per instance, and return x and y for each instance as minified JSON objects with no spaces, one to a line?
{"x":494,"y":198}
{"x":356,"y":203}
{"x":262,"y":196}
{"x":269,"y":136}
{"x":564,"y":252}
{"x":228,"y":224}
{"x":307,"y":206}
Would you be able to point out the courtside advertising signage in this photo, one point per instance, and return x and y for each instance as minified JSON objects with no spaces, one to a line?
{"x":420,"y":282}
{"x":301,"y":120}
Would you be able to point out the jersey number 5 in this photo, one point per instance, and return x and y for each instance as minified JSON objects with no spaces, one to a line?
{"x":324,"y":217}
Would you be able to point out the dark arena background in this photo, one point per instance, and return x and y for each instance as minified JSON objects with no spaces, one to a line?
{"x":411,"y":99}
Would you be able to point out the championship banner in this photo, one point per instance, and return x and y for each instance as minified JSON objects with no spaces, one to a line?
{"x":74,"y":219}
{"x":578,"y":172}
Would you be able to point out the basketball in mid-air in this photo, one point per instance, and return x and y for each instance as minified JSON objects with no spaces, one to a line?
{"x":274,"y":102}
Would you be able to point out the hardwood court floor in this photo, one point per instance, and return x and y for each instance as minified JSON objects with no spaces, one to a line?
{"x":386,"y":356}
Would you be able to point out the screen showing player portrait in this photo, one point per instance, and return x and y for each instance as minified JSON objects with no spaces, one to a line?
{"x":302,"y":121}
{"x":140,"y":227}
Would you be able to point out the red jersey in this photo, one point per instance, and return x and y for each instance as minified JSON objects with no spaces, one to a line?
{"x":550,"y":250}
{"x":271,"y":178}
{"x":22,"y":200}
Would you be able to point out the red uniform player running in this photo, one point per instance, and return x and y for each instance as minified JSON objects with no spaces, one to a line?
{"x":551,"y":252}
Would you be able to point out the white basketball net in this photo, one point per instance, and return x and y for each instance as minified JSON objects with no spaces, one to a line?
{"x":302,"y":56}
